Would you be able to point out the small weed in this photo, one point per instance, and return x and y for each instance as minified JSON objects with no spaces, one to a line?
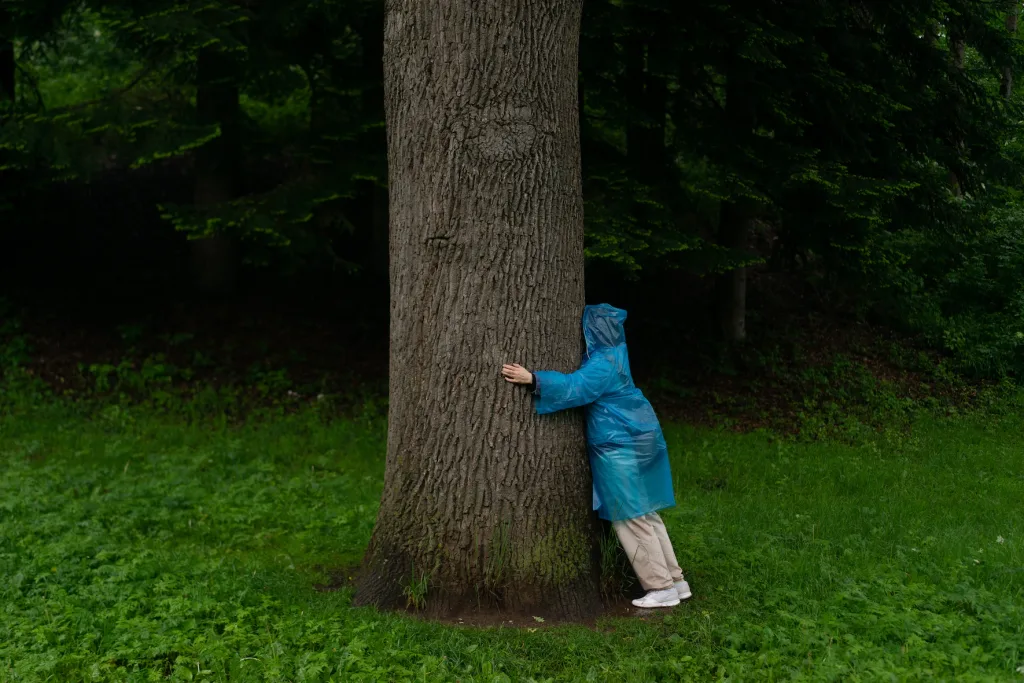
{"x":268,"y":381}
{"x":132,"y":334}
{"x":415,"y":591}
{"x":617,"y":577}
{"x":496,"y":559}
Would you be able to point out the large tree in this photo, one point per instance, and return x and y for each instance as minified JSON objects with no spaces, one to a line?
{"x":485,"y":504}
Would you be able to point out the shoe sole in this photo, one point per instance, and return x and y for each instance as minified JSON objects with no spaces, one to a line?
{"x":686,"y":596}
{"x":660,"y":604}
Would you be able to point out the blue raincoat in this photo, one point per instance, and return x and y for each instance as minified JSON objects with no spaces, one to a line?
{"x":628,"y":455}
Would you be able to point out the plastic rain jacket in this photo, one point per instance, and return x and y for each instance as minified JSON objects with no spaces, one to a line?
{"x":628,"y":455}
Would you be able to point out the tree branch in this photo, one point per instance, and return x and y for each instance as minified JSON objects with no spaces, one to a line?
{"x":114,"y":94}
{"x":32,"y":82}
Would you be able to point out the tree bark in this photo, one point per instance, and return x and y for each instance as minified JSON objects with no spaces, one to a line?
{"x":633,"y":88}
{"x":958,"y":53}
{"x":648,"y":100}
{"x":1006,"y":84}
{"x":214,"y":259}
{"x":734,"y":234}
{"x":8,"y":84}
{"x":485,"y":504}
{"x":735,"y":219}
{"x":8,"y":78}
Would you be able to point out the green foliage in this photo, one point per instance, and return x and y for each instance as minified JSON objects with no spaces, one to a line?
{"x":306,"y":83}
{"x":961,"y":290}
{"x":838,"y":127}
{"x":18,"y":388}
{"x":77,"y":63}
{"x":115,"y":85}
{"x":849,"y":142}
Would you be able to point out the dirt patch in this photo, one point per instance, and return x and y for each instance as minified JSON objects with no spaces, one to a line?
{"x":618,"y":607}
{"x":337,"y":579}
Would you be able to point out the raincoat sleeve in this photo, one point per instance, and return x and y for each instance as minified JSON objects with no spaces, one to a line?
{"x":557,"y":391}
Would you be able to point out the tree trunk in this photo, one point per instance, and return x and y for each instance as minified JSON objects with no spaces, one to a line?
{"x":647,"y":95}
{"x":734,"y":233}
{"x":958,"y":53}
{"x":656,"y":109}
{"x":735,"y":220}
{"x":7,"y":72}
{"x":485,"y":504}
{"x":633,"y":89}
{"x":214,"y":259}
{"x":1006,"y":84}
{"x":8,"y":84}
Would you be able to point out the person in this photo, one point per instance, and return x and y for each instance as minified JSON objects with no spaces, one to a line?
{"x":626,"y":447}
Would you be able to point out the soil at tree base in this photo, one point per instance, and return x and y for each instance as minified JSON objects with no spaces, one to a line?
{"x":618,"y":606}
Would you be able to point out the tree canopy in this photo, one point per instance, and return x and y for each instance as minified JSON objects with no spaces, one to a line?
{"x":866,"y":150}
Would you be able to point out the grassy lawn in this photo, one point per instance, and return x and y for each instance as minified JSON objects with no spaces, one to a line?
{"x":134,"y":548}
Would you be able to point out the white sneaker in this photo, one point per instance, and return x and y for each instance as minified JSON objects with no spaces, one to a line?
{"x":665,"y":598}
{"x":683,"y":590}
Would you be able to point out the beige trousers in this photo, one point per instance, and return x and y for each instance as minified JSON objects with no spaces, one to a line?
{"x":649,"y":549}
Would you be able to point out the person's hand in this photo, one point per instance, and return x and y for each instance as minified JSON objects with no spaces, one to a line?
{"x":516,"y":374}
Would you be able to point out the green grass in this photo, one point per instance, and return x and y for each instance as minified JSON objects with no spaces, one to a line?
{"x":136,"y":548}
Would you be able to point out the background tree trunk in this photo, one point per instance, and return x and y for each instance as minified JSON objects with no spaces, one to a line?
{"x":214,"y":259}
{"x":7,"y":70}
{"x":958,"y":53}
{"x":735,"y":218}
{"x":648,"y":102}
{"x":485,"y":504}
{"x":8,"y":83}
{"x":731,"y":287}
{"x":1006,"y":84}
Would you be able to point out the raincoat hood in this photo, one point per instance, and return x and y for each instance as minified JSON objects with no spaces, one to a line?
{"x":603,"y":327}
